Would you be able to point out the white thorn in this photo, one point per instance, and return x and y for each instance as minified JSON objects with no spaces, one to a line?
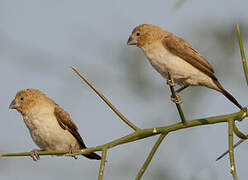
{"x":154,"y":130}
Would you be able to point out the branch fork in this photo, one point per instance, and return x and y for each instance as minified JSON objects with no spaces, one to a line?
{"x":161,"y":131}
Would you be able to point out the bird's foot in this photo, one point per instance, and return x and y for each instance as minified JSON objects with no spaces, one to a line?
{"x":72,"y":151}
{"x":34,"y":155}
{"x":177,"y":99}
{"x":171,"y":82}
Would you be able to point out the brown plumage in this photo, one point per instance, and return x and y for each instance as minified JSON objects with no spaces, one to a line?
{"x":66,"y":123}
{"x":169,"y":53}
{"x":50,"y":126}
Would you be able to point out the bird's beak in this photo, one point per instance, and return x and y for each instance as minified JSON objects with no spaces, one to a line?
{"x":131,"y":41}
{"x":14,"y":105}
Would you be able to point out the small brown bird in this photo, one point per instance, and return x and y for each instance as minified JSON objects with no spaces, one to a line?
{"x":168,"y":53}
{"x":50,"y":126}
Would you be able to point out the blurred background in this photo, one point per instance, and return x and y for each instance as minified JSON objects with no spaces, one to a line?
{"x":40,"y":40}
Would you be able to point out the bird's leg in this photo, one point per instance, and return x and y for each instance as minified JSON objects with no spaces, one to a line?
{"x":181,"y":88}
{"x":72,"y":151}
{"x":34,"y":155}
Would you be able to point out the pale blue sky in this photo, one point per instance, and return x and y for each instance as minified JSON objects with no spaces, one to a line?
{"x":40,"y":40}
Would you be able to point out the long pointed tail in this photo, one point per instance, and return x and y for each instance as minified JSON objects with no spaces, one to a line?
{"x":228,"y":95}
{"x":92,"y":156}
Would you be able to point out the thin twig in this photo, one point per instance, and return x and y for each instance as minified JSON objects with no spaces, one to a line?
{"x":234,"y":146}
{"x":143,"y":133}
{"x":103,"y":160}
{"x":231,"y":154}
{"x":180,"y":111}
{"x":40,"y":153}
{"x":149,"y":158}
{"x":238,"y":132}
{"x":242,"y":54}
{"x":123,"y":118}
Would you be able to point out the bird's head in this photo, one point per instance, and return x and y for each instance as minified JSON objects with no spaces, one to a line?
{"x":26,"y":99}
{"x":146,"y":34}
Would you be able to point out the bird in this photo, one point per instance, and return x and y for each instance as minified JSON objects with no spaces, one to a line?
{"x":168,"y":53}
{"x":50,"y":126}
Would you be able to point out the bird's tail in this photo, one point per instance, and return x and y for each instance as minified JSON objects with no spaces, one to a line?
{"x":228,"y":95}
{"x":92,"y":156}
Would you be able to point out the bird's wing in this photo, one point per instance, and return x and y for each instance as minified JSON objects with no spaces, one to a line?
{"x":186,"y":51}
{"x":66,"y":123}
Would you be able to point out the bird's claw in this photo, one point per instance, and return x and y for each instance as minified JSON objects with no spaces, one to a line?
{"x":34,"y":155}
{"x":171,"y":82}
{"x":177,"y":99}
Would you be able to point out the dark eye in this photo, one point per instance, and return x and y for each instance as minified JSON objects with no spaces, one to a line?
{"x":137,"y":33}
{"x":21,"y":98}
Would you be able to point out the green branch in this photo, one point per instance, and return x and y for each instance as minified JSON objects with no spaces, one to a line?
{"x":234,"y":146}
{"x":242,"y":54}
{"x":41,"y":153}
{"x":180,"y":111}
{"x":238,"y":132}
{"x":231,"y":154}
{"x":143,"y":133}
{"x":123,"y":118}
{"x":103,"y":160}
{"x":243,"y":59}
{"x":240,"y":135}
{"x":149,"y":158}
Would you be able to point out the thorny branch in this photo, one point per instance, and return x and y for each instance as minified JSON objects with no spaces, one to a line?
{"x":163,"y":131}
{"x":231,"y":154}
{"x":143,"y":133}
{"x":243,"y":59}
{"x":121,"y":116}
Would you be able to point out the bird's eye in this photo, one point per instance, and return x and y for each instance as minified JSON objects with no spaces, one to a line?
{"x":21,"y":98}
{"x":137,"y":33}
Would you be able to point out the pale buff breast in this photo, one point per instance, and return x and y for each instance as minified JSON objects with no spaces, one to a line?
{"x":181,"y":71}
{"x":46,"y":132}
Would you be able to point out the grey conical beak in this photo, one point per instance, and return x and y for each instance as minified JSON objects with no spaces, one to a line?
{"x":13,"y":105}
{"x":131,"y":41}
